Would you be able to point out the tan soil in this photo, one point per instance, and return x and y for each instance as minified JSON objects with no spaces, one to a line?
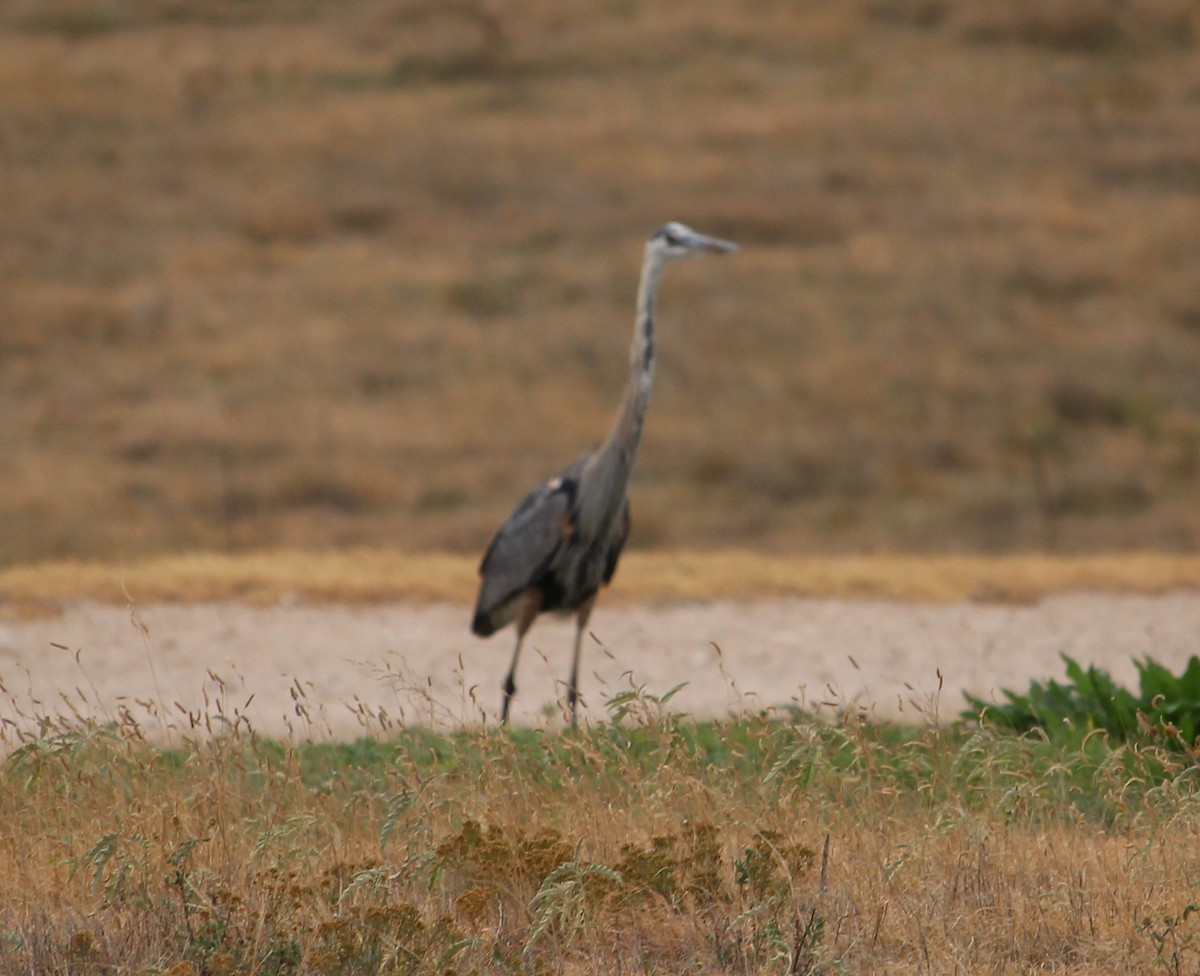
{"x":332,"y":670}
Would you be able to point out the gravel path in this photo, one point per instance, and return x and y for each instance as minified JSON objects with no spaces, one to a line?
{"x":334,"y":670}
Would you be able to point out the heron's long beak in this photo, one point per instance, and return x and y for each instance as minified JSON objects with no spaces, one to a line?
{"x":703,"y":241}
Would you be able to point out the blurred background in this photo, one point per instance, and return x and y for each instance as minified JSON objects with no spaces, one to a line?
{"x":299,"y":273}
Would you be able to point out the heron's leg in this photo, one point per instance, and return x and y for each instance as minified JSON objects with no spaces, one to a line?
{"x":531,"y":604}
{"x":510,"y":684}
{"x":581,"y":619}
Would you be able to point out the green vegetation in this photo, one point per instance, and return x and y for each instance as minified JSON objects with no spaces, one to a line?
{"x":1166,"y":709}
{"x":651,"y":843}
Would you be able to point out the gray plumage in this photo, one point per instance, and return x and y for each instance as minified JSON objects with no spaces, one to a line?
{"x":562,"y":542}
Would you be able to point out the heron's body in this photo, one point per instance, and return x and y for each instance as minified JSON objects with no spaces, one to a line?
{"x":564,"y":539}
{"x":549,"y":553}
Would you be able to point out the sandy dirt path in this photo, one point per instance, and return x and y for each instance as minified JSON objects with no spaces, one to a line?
{"x":332,"y":670}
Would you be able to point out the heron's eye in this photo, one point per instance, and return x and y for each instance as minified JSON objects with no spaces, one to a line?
{"x":667,"y":236}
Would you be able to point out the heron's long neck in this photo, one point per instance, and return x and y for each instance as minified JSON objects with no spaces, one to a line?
{"x":621,"y":445}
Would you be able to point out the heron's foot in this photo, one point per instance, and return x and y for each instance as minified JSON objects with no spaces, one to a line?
{"x":572,"y":705}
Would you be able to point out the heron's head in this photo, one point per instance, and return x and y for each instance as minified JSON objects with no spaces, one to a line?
{"x":676,"y":240}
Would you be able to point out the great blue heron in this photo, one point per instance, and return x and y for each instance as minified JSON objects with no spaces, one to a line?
{"x":564,"y":538}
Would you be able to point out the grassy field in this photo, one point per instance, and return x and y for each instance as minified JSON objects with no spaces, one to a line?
{"x":651,"y":844}
{"x":314,"y":286}
{"x":280,"y":273}
{"x":361,"y":576}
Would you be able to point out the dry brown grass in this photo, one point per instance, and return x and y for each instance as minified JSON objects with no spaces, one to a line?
{"x":288,"y":274}
{"x":374,"y":575}
{"x":285,"y":275}
{"x":650,"y":845}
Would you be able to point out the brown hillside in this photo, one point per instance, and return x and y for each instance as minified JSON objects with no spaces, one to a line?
{"x":311,"y":274}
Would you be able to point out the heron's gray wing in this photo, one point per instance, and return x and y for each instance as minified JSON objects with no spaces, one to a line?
{"x":614,"y":552}
{"x":525,"y":545}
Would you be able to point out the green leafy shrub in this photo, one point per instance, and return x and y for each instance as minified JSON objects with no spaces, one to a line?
{"x":1167,"y":709}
